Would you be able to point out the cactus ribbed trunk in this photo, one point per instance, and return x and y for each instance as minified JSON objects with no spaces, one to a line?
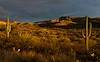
{"x":8,"y":29}
{"x":87,"y":37}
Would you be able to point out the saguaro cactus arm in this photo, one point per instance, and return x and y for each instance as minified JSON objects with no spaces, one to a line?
{"x":83,"y":34}
{"x":90,"y":29}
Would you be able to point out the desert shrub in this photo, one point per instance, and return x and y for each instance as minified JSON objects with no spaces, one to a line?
{"x":2,"y":36}
{"x":92,"y":42}
{"x":25,"y":56}
{"x":2,"y":27}
{"x":21,"y":41}
{"x":2,"y":39}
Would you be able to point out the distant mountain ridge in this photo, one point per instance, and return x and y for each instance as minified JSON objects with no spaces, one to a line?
{"x":69,"y":22}
{"x":62,"y":22}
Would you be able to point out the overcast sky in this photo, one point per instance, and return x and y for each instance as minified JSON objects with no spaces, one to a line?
{"x":44,"y":9}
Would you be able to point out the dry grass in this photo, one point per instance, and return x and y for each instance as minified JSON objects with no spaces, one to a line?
{"x":37,"y":44}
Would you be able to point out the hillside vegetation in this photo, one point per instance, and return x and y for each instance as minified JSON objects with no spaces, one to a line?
{"x":49,"y":41}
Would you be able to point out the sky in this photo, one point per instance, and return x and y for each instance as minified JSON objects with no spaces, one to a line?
{"x":46,"y":9}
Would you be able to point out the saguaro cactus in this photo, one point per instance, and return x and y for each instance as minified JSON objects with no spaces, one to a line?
{"x":87,"y":33}
{"x":8,"y":27}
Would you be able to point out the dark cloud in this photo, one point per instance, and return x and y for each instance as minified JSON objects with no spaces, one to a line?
{"x":43,"y":9}
{"x":3,"y":11}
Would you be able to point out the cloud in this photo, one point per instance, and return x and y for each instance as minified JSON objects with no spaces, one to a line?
{"x":3,"y":12}
{"x":43,"y":9}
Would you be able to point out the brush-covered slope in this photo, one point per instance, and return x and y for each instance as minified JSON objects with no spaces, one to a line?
{"x":47,"y":41}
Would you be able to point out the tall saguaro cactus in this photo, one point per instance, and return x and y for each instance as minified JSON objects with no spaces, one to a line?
{"x":8,"y":26}
{"x":87,"y":33}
